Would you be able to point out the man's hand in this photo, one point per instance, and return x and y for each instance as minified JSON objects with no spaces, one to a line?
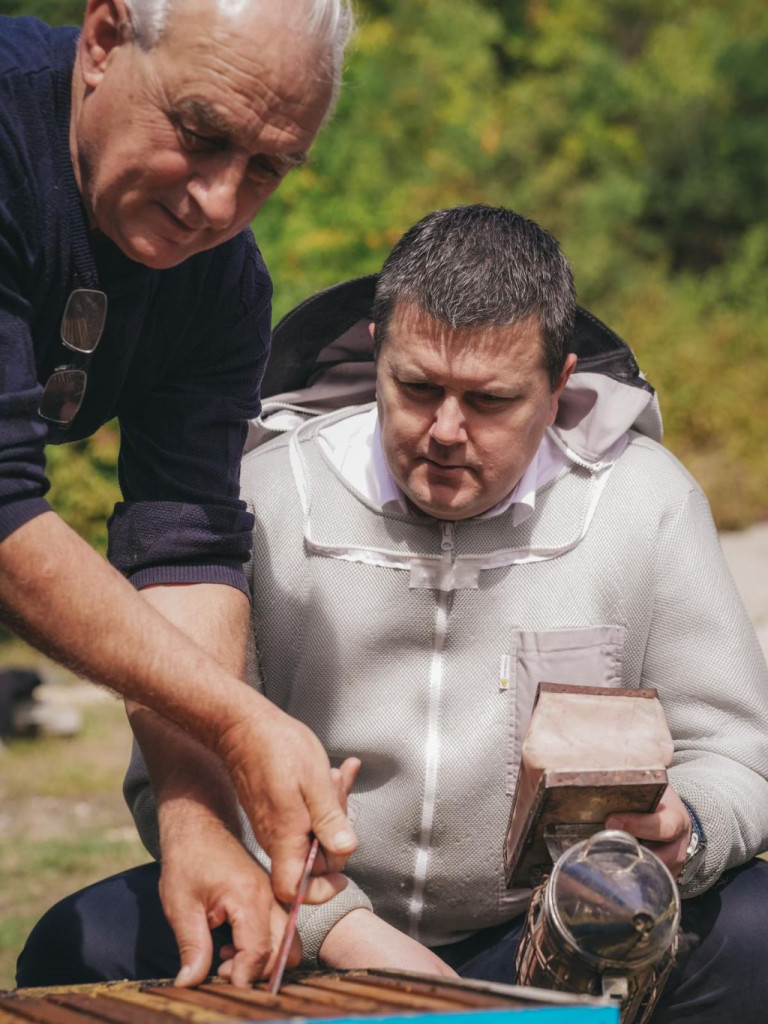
{"x":667,"y":832}
{"x":210,"y":882}
{"x":281,"y":772}
{"x":360,"y":939}
{"x":207,"y":876}
{"x":288,"y":793}
{"x":209,"y":879}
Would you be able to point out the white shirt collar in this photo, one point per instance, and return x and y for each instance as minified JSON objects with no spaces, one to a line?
{"x":354,"y":446}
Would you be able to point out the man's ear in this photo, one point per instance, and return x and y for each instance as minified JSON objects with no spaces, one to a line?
{"x":105,"y":27}
{"x":570,"y":365}
{"x":372,"y":332}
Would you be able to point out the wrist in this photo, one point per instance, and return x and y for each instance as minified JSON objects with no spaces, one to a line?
{"x":185,"y":823}
{"x":343,"y":939}
{"x":237,"y":722}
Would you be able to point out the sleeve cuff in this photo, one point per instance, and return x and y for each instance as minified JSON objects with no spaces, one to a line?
{"x":315,"y":922}
{"x":229,"y":575}
{"x":17,"y":513}
{"x":716,"y":856}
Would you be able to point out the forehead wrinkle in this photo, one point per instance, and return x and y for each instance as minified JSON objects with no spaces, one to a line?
{"x":204,"y":115}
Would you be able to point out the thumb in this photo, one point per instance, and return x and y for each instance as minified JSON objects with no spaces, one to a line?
{"x":337,"y":837}
{"x":193,"y":938}
{"x":326,"y":803}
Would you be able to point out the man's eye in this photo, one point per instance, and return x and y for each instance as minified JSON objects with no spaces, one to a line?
{"x":418,"y":387}
{"x":200,"y":143}
{"x":488,"y":401}
{"x":259,"y":168}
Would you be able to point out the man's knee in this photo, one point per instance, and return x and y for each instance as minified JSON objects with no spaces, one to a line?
{"x":722,"y":972}
{"x":101,"y":934}
{"x":729,"y":922}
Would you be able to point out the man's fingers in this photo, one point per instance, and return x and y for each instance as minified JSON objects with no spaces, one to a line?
{"x":656,"y":828}
{"x":289,"y":855}
{"x":343,"y":779}
{"x":347,"y":774}
{"x":251,"y":939}
{"x":289,"y":852}
{"x":277,"y":922}
{"x":193,"y":937}
{"x":324,"y":887}
{"x":336,"y":835}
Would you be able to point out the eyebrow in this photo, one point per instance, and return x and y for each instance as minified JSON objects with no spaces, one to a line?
{"x":411,"y":375}
{"x":209,"y":119}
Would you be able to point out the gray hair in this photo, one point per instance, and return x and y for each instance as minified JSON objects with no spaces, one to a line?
{"x":481,"y":266}
{"x":330,"y":22}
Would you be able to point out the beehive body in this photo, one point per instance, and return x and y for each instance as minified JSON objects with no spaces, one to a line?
{"x":347,"y":996}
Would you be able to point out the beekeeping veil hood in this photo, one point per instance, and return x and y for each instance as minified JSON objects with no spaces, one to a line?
{"x":322,"y":360}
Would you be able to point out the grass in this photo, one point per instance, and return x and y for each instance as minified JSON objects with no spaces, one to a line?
{"x":63,"y":822}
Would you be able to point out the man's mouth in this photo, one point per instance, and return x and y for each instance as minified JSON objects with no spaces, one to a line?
{"x":444,"y":467}
{"x":177,"y":222}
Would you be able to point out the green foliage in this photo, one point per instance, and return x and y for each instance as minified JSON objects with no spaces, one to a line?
{"x":55,"y":12}
{"x":83,"y":479}
{"x":633,"y":129}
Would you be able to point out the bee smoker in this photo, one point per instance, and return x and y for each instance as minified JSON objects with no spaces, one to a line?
{"x":605,"y":922}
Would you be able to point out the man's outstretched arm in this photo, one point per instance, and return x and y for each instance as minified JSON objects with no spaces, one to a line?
{"x":207,"y":877}
{"x":56,"y":592}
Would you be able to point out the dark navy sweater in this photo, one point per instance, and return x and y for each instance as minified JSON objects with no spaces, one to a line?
{"x":179,"y":363}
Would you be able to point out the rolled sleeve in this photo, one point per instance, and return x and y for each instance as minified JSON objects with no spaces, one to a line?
{"x":153,"y":542}
{"x":182,"y":520}
{"x":316,"y":921}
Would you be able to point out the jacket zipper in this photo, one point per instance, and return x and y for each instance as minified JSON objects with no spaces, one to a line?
{"x":432,"y":752}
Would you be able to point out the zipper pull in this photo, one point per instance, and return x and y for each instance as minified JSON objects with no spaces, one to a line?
{"x":446,"y":541}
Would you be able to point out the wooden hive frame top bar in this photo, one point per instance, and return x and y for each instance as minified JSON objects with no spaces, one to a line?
{"x":344,"y":995}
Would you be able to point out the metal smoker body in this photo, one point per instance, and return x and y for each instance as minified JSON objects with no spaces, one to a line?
{"x":604,"y":922}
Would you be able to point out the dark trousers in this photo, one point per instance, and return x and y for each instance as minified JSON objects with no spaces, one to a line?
{"x":116,"y":929}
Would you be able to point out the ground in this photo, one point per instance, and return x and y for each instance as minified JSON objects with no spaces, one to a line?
{"x":63,"y":823}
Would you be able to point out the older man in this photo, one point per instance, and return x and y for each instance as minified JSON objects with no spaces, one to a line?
{"x":133,"y":156}
{"x":500,"y":516}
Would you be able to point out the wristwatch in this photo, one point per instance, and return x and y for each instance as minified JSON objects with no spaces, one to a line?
{"x":697,"y":847}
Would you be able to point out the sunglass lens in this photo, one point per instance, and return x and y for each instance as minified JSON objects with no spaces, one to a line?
{"x":83,"y":319}
{"x":63,"y":395}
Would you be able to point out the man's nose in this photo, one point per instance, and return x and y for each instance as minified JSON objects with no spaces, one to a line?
{"x":216,"y":192}
{"x":448,"y":425}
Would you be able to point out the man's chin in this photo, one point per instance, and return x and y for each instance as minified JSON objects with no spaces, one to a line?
{"x":442,"y":506}
{"x":157,"y":254}
{"x":152,"y":249}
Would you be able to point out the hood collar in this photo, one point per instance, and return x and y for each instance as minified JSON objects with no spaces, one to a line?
{"x":322,"y":360}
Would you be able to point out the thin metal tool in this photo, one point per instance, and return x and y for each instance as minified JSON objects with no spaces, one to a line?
{"x":278,"y":970}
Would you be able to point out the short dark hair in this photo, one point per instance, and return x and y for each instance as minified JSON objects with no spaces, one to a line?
{"x":481,"y":266}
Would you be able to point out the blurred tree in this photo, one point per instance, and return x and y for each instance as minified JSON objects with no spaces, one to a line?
{"x":55,"y":12}
{"x":84,"y":485}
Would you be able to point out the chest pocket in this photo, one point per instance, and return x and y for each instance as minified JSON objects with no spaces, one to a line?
{"x":577,"y":657}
